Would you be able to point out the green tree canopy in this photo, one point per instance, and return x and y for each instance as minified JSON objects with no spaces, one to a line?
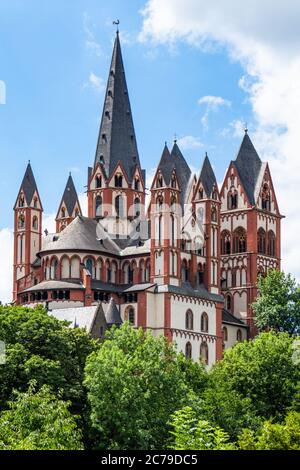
{"x":135,"y":381}
{"x":38,"y":421}
{"x":261,"y":371}
{"x":278,"y":305}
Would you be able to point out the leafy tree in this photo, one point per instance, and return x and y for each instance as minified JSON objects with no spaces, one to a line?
{"x":38,"y":421}
{"x":278,"y":305}
{"x":192,"y":434}
{"x":40,"y":347}
{"x":261,"y":370}
{"x":285,"y":436}
{"x":134,"y":383}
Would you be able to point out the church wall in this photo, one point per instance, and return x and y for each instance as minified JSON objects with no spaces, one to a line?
{"x":232,"y":335}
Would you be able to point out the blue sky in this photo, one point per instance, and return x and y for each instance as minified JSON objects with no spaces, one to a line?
{"x":49,"y":51}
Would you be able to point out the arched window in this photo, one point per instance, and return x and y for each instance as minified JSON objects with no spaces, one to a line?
{"x":137,"y":184}
{"x":232,"y":199}
{"x":147,"y":272}
{"x":98,"y":181}
{"x":271,"y":243}
{"x":159,"y":203}
{"x":63,"y":212}
{"x":204,"y":322}
{"x":200,"y":193}
{"x":137,"y":207}
{"x":239,"y":335}
{"x":240,"y":240}
{"x":98,"y":206}
{"x":214,"y":215}
{"x":225,"y":243}
{"x":22,"y":201}
{"x":215,"y":195}
{"x":188,"y":351}
{"x":265,"y":199}
{"x":189,"y":320}
{"x":204,"y":353}
{"x":35,"y":203}
{"x":54,"y":269}
{"x":108,"y":271}
{"x":35,"y":223}
{"x":159,"y":182}
{"x":173,"y":182}
{"x":131,"y":316}
{"x":225,"y":334}
{"x":160,"y":219}
{"x":200,"y":274}
{"x":21,"y":222}
{"x":228,"y":302}
{"x":118,"y":181}
{"x":119,"y":206}
{"x":261,"y":241}
{"x":184,"y":271}
{"x":89,"y":264}
{"x":172,"y":230}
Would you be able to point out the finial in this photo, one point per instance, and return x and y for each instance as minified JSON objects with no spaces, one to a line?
{"x":70,"y":173}
{"x":116,"y":23}
{"x":246,"y":128}
{"x":28,"y":162}
{"x":206,"y":154}
{"x":175,"y":138}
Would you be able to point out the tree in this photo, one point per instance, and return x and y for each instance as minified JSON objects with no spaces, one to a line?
{"x":38,"y":420}
{"x":192,"y":434}
{"x":273,"y":436}
{"x":278,"y":305}
{"x":134,"y":384}
{"x":262,"y":371}
{"x":40,"y":347}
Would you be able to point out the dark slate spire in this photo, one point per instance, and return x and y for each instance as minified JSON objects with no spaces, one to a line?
{"x":70,"y":197}
{"x":166,"y":165}
{"x":183,"y":171}
{"x":207,"y":177}
{"x":248,"y":165}
{"x":113,"y":316}
{"x":117,"y":141}
{"x":28,"y":185}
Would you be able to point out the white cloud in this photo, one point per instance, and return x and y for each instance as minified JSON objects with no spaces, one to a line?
{"x":6,"y":265}
{"x":212,"y":104}
{"x":189,"y":142}
{"x":264,"y":36}
{"x":236,"y":129}
{"x":95,"y":82}
{"x":49,"y":223}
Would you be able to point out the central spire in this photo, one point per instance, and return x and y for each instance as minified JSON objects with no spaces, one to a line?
{"x":117,"y":141}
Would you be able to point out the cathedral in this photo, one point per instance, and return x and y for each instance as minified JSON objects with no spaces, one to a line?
{"x":183,"y":262}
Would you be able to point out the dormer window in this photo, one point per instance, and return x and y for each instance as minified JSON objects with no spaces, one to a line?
{"x":22,"y":201}
{"x":159,"y":183}
{"x":200,"y":193}
{"x":137,"y":184}
{"x":63,"y":212}
{"x":107,"y":114}
{"x":98,"y":182}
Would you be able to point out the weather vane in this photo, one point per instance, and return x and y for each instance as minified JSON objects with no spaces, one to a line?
{"x":117,"y":22}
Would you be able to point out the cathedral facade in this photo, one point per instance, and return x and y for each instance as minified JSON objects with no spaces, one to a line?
{"x":184,"y":265}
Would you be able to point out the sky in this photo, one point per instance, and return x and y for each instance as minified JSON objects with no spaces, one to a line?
{"x":196,"y":70}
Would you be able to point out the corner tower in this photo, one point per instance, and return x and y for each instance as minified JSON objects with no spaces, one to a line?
{"x":69,"y":207}
{"x":116,"y":183}
{"x":27,"y":228}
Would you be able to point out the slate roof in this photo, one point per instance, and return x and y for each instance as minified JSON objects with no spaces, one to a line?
{"x":49,"y":285}
{"x":117,"y":141}
{"x":207,"y":177}
{"x":188,"y":290}
{"x":248,"y":165}
{"x":70,"y":197}
{"x":112,"y":315}
{"x":82,"y":234}
{"x":79,"y":317}
{"x":28,"y":185}
{"x":227,"y":317}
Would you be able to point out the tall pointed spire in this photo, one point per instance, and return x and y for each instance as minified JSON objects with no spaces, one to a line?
{"x":248,"y":165}
{"x":69,"y":206}
{"x":117,"y":141}
{"x":207,"y":177}
{"x":28,"y":186}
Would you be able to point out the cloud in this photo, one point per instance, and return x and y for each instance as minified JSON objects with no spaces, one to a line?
{"x":213,"y":103}
{"x":91,"y":43}
{"x":235,"y":129}
{"x":189,"y":142}
{"x":6,"y":265}
{"x":95,"y":82}
{"x":263,"y":36}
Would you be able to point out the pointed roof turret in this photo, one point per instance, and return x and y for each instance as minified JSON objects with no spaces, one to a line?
{"x":207,"y":177}
{"x":248,"y":165}
{"x":117,"y":141}
{"x":70,"y":197}
{"x":113,"y":316}
{"x":28,"y":185}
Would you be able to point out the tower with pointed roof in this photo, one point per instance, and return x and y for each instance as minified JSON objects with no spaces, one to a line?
{"x":251,"y":230}
{"x":116,"y":182}
{"x":27,"y":229}
{"x":69,"y":207}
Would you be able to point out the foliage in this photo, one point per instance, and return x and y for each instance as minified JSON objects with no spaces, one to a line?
{"x":285,"y":436}
{"x":278,"y":305}
{"x":261,"y":370}
{"x":192,"y":434}
{"x":42,"y":348}
{"x":38,"y":421}
{"x":134,"y":384}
